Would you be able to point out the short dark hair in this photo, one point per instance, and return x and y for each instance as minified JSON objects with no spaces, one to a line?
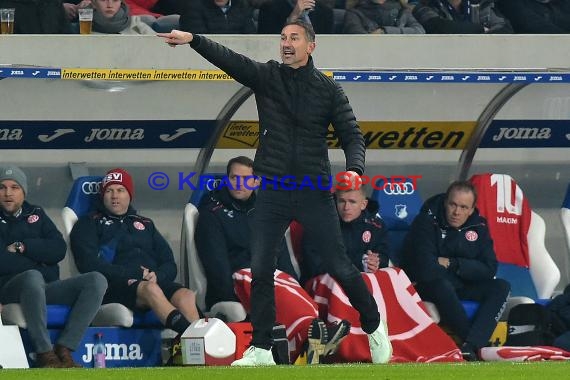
{"x":309,"y":31}
{"x":464,"y":186}
{"x":243,"y":160}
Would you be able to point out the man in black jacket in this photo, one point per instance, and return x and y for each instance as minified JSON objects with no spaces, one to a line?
{"x":537,"y":16}
{"x":217,"y":17}
{"x":31,"y":249}
{"x":449,"y":253}
{"x":223,"y":236}
{"x":131,"y":253}
{"x":223,"y":231}
{"x":275,"y":14}
{"x":296,"y":104}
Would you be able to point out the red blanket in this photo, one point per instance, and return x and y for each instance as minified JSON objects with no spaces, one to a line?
{"x":294,"y":308}
{"x":523,"y":354}
{"x":414,"y":335}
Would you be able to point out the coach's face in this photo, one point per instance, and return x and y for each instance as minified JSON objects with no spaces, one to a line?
{"x":295,"y":46}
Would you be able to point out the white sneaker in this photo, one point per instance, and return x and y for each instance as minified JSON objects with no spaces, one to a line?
{"x":255,"y":356}
{"x":380,"y":346}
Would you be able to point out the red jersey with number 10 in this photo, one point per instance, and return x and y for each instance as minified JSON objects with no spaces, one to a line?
{"x":501,"y":201}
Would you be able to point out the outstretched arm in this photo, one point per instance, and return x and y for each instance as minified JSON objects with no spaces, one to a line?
{"x":176,"y":37}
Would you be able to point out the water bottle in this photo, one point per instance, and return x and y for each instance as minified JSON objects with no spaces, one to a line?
{"x":99,"y":352}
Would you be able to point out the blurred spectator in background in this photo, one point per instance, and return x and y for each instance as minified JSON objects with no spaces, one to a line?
{"x":158,"y":21}
{"x":381,"y":17}
{"x":217,"y":17}
{"x":537,"y":16}
{"x":112,"y":17}
{"x":274,"y":14}
{"x":71,"y":7}
{"x":460,"y":17}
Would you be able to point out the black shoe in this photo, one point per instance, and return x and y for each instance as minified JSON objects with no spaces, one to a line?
{"x":318,"y":338}
{"x":469,"y":353}
{"x":337,"y":333}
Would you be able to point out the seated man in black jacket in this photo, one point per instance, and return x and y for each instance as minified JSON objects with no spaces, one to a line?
{"x":449,"y":253}
{"x":460,"y":17}
{"x":31,"y":248}
{"x":274,"y":14}
{"x":217,"y":17}
{"x":537,"y":16}
{"x":131,"y":253}
{"x":223,"y":242}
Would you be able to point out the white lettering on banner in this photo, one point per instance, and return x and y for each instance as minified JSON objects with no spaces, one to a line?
{"x":179,"y":132}
{"x":504,"y":185}
{"x":57,"y":133}
{"x":115,"y":351}
{"x":523,"y":134}
{"x":10,"y":134}
{"x":505,"y":220}
{"x":110,"y":134}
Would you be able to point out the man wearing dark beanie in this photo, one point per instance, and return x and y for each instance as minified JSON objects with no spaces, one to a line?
{"x":31,"y":248}
{"x":131,"y":253}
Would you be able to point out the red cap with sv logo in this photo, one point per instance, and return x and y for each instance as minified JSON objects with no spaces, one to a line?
{"x":118,"y":176}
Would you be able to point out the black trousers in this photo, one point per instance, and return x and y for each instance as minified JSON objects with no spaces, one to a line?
{"x":316,"y":211}
{"x":492,"y":297}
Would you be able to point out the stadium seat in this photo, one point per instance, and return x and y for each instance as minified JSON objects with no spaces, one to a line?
{"x":231,"y":311}
{"x":518,"y":235}
{"x":82,"y":197}
{"x":56,"y":315}
{"x":399,"y":205}
{"x":565,"y":216}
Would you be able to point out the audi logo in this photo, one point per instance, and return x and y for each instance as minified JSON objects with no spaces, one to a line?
{"x":405,"y":188}
{"x":89,"y":188}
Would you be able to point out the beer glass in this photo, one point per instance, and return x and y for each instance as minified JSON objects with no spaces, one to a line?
{"x":7,"y":20}
{"x":85,"y":20}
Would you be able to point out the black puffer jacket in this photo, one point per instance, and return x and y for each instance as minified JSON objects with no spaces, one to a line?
{"x":204,"y":16}
{"x":44,"y":245}
{"x":534,"y":16}
{"x":437,"y":16}
{"x":295,"y":108}
{"x":117,"y":247}
{"x":469,"y":248}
